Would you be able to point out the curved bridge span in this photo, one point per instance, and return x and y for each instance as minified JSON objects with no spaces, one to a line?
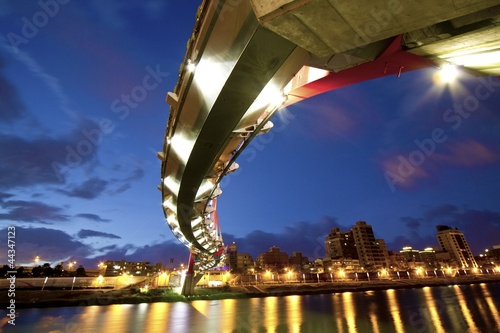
{"x":248,"y":58}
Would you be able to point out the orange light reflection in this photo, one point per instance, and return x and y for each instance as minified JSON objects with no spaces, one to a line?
{"x":350,"y":312}
{"x":463,"y":308}
{"x":433,"y":311}
{"x":394,"y":308}
{"x":491,"y":305}
{"x":294,"y":313}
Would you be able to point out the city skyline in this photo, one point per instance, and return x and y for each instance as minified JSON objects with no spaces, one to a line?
{"x":84,"y":114}
{"x":320,"y":251}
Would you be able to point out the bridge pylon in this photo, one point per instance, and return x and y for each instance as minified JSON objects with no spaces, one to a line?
{"x":191,"y":278}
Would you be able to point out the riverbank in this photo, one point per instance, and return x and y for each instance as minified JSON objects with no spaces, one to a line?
{"x":88,"y":297}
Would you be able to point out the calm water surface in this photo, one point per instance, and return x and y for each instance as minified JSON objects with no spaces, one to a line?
{"x":468,"y":308}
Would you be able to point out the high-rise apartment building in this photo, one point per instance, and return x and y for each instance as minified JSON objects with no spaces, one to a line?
{"x":370,"y":250}
{"x":238,"y":262}
{"x":453,"y":242}
{"x":273,"y":259}
{"x":340,"y":245}
{"x":428,"y":257}
{"x":232,"y":256}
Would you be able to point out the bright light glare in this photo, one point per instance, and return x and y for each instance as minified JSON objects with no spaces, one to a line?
{"x":182,"y":146}
{"x":191,"y":66}
{"x":477,"y":59}
{"x":206,"y":186}
{"x":448,"y":73}
{"x":172,"y":184}
{"x":270,"y":95}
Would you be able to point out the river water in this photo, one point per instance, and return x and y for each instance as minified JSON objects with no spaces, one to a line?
{"x":464,"y":308}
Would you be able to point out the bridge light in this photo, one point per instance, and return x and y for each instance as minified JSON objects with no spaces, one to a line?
{"x":205,"y":187}
{"x":191,"y":66}
{"x":481,"y":58}
{"x":447,"y":73}
{"x":279,"y":100}
{"x":182,"y":145}
{"x":196,"y":222}
{"x":197,"y":233}
{"x":168,"y":203}
{"x":172,"y":184}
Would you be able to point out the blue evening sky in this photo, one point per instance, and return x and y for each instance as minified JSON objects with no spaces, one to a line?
{"x":83,"y":113}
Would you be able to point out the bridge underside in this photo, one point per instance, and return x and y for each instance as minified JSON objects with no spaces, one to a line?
{"x":344,"y":34}
{"x":243,"y":55}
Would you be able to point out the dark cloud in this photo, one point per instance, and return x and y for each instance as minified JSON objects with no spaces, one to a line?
{"x":31,"y":211}
{"x":125,"y":184}
{"x":11,"y":106}
{"x":54,"y":246}
{"x":49,"y":244}
{"x":4,"y":196}
{"x":108,"y":248}
{"x":122,"y":188}
{"x":92,"y":217}
{"x":414,"y":240}
{"x":44,"y":160}
{"x":85,"y":233}
{"x":90,"y":189}
{"x":161,"y":252}
{"x":136,"y":174}
{"x":439,"y":213}
{"x":411,"y":222}
{"x":305,"y":237}
{"x":481,"y":228}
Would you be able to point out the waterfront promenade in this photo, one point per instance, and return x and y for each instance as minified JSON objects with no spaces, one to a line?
{"x":29,"y":298}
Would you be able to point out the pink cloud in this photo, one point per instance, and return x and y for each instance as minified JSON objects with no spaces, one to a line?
{"x":406,"y":169}
{"x":468,"y":154}
{"x":399,"y":172}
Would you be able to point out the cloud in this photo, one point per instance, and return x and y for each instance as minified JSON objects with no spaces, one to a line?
{"x":481,"y":228}
{"x":108,"y":248}
{"x":468,"y":153}
{"x":411,"y":222}
{"x":85,"y":233}
{"x":400,"y":172}
{"x":10,"y":104}
{"x":125,"y":184}
{"x":31,"y":64}
{"x":54,"y":246}
{"x":136,"y":174}
{"x":90,"y":189}
{"x":408,"y":168}
{"x":161,"y":252}
{"x":50,"y":245}
{"x":113,"y":12}
{"x":306,"y":237}
{"x":4,"y":196}
{"x":32,"y":212}
{"x":92,"y":217}
{"x":413,"y":239}
{"x":441,"y":214}
{"x":44,"y":160}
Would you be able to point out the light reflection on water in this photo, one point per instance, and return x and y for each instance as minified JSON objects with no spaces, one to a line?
{"x":470,"y":308}
{"x":433,"y":311}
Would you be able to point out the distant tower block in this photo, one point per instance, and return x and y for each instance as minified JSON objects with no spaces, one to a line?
{"x":453,"y":242}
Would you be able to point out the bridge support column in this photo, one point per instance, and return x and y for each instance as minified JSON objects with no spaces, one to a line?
{"x":189,"y":279}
